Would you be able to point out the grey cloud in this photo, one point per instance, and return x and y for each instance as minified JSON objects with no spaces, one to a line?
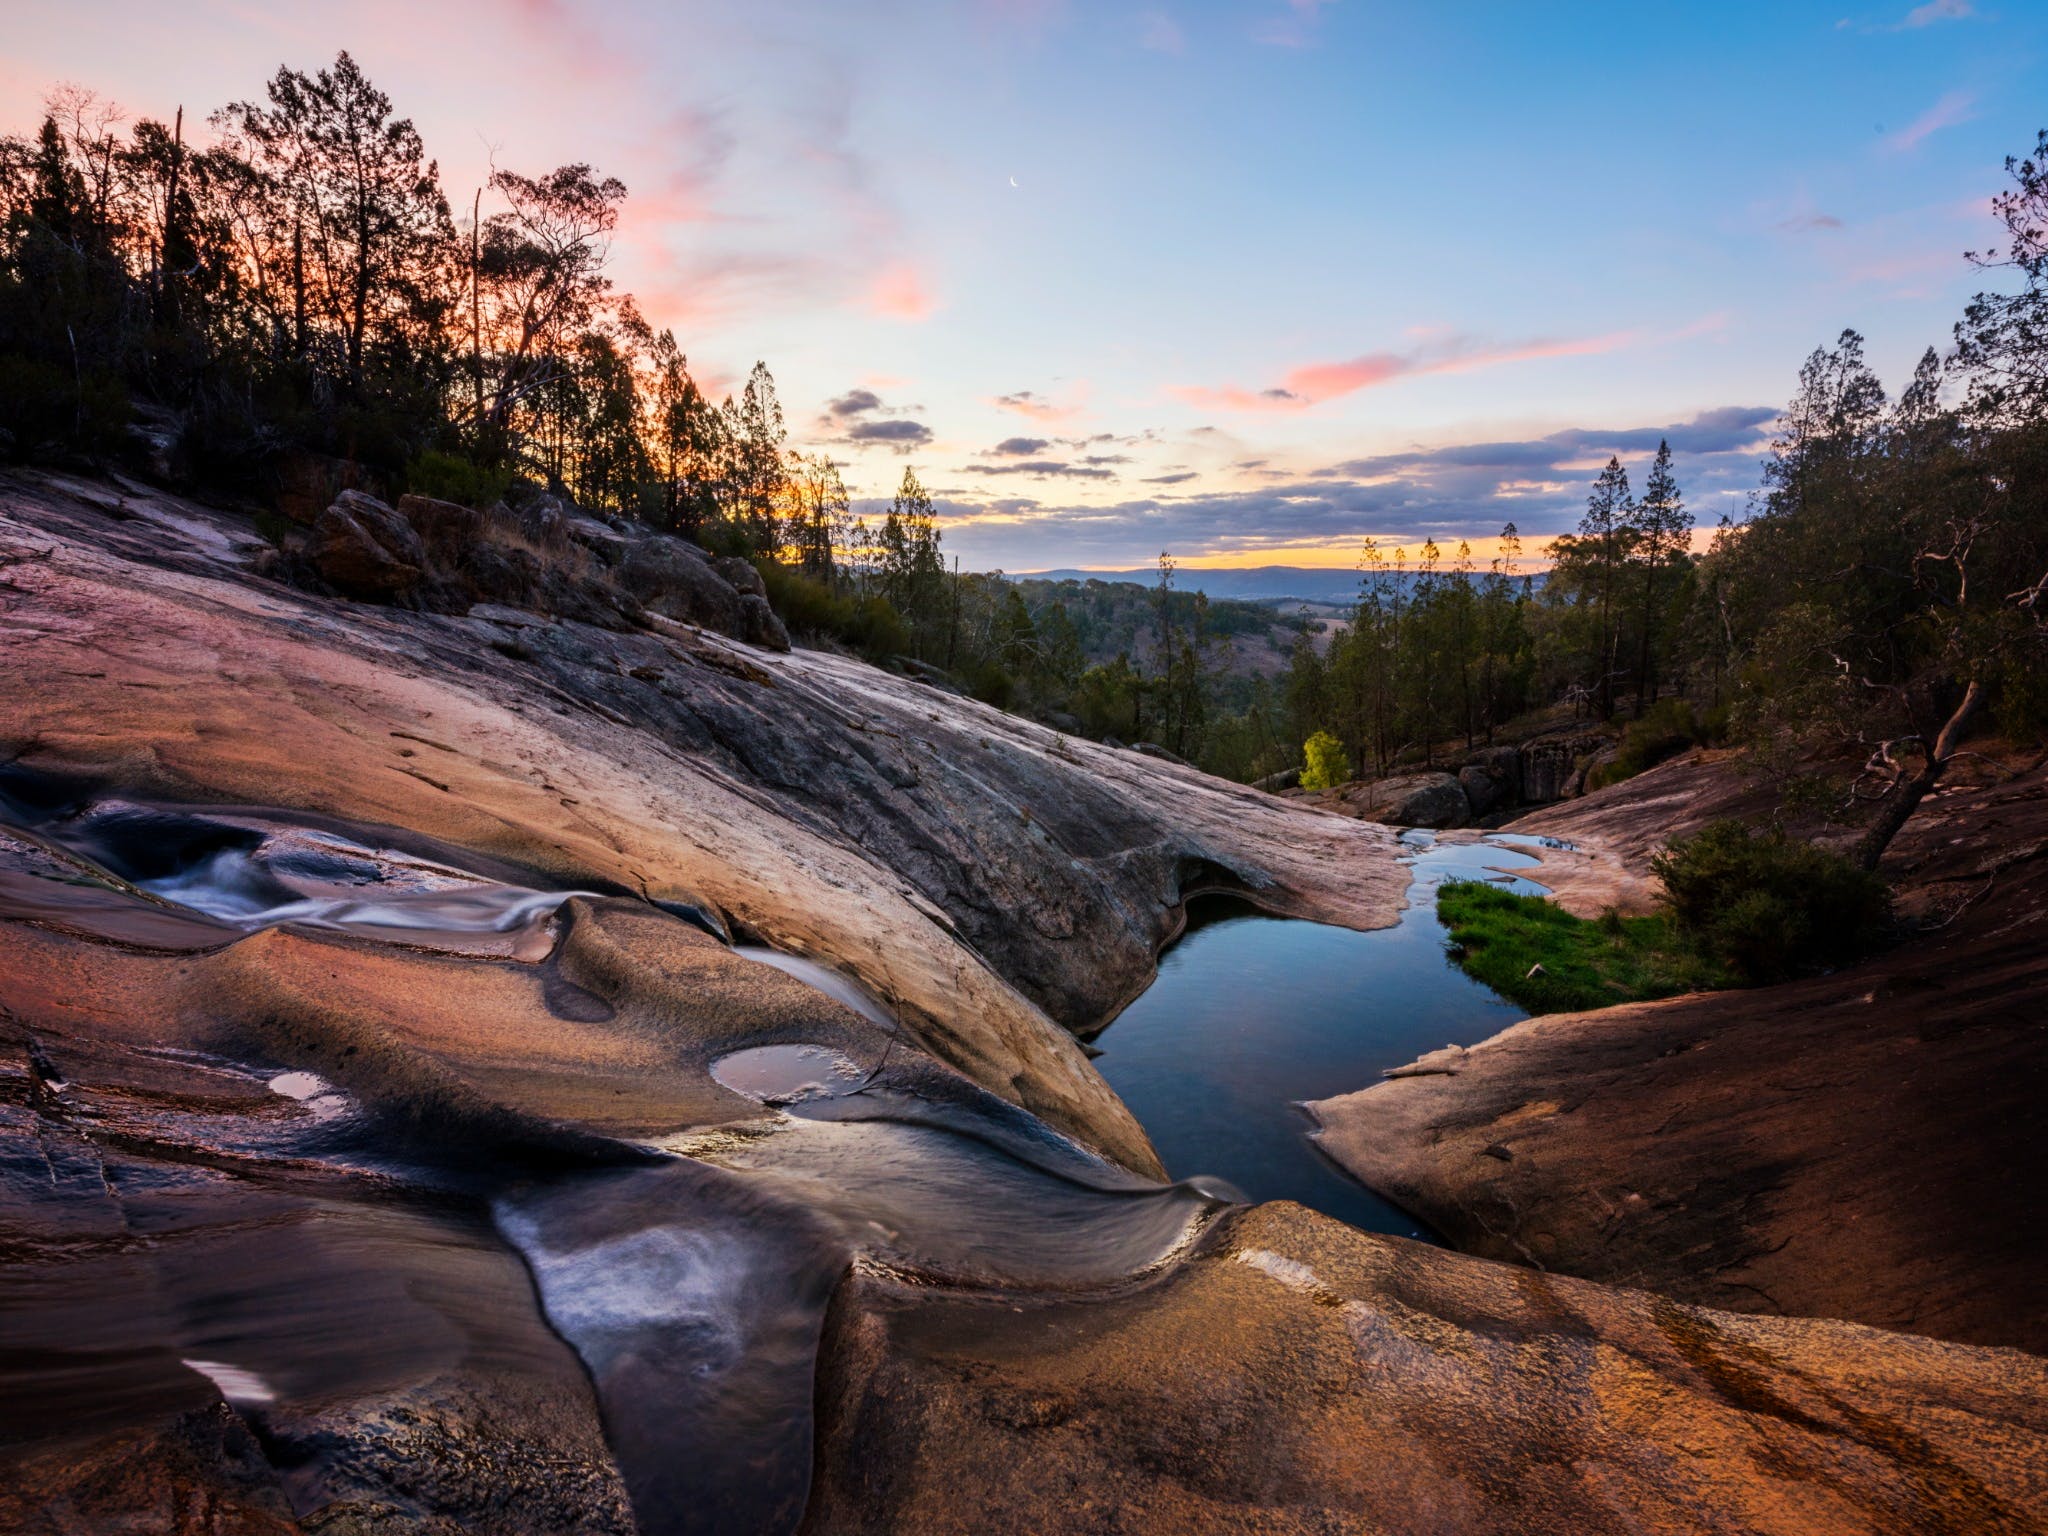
{"x":854,"y":402}
{"x":1459,"y":491}
{"x":1043,"y":468}
{"x":901,"y":435}
{"x":1020,"y":447}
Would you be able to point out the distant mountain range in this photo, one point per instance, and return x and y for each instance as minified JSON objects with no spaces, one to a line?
{"x":1252,"y":583}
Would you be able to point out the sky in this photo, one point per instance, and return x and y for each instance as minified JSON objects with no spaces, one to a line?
{"x":1243,"y":280}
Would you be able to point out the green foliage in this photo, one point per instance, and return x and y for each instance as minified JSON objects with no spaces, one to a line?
{"x":813,"y":609}
{"x":1502,"y":939}
{"x":1326,"y":766}
{"x":1768,"y":906}
{"x":453,"y":477}
{"x":1667,"y":728}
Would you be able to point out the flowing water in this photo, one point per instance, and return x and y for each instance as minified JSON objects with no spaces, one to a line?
{"x":1251,"y":1015}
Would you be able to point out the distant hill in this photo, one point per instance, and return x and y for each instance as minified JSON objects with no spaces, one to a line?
{"x":1252,"y":584}
{"x":1266,"y":584}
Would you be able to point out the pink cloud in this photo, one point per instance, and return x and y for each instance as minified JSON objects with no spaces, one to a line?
{"x":901,"y":293}
{"x":1955,"y":107}
{"x":1313,"y":383}
{"x":1035,"y":407}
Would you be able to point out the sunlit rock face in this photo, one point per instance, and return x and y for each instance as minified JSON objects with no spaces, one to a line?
{"x":991,"y":879}
{"x":1298,"y":1376}
{"x":393,"y":1139}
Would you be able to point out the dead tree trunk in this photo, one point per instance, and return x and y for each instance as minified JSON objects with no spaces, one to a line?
{"x":1906,"y":796}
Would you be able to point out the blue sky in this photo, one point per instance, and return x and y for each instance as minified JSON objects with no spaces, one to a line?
{"x":1273,"y":275}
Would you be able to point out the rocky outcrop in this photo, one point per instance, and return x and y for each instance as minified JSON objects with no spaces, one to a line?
{"x":1408,"y":800}
{"x":1548,"y":764}
{"x":1845,"y":1146}
{"x":364,"y":549}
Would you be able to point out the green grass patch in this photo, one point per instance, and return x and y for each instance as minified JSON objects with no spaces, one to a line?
{"x":1500,"y":938}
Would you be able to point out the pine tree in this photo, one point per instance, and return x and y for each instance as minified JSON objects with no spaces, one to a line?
{"x":1663,"y":533}
{"x":1605,"y":528}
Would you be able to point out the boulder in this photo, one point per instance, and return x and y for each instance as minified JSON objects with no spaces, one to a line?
{"x":364,"y":549}
{"x":447,"y":528}
{"x":1582,"y":772}
{"x":741,"y":574}
{"x":1274,"y":783}
{"x":1503,"y":765}
{"x":1549,"y":761}
{"x":307,"y":483}
{"x":545,"y":521}
{"x":1410,"y":800}
{"x":601,"y":539}
{"x":675,"y":578}
{"x":1482,"y":790}
{"x":759,"y":624}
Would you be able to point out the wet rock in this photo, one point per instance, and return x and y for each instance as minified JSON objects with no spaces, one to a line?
{"x":818,"y":803}
{"x":364,"y":549}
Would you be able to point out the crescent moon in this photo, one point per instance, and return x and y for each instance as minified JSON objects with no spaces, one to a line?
{"x":1013,"y":181}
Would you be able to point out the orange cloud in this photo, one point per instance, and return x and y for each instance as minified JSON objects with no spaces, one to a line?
{"x":900,"y":293}
{"x":1313,"y":383}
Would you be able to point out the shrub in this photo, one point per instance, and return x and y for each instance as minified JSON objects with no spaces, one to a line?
{"x":1666,"y":729}
{"x":1768,"y":905}
{"x":810,"y":607}
{"x":1326,"y":765}
{"x":446,"y":477}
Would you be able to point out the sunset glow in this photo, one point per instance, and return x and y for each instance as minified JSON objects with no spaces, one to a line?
{"x":1252,"y":336}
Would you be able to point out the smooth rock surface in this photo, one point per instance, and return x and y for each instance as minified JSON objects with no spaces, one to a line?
{"x":992,"y":879}
{"x":1298,"y":1376}
{"x":1845,"y":1146}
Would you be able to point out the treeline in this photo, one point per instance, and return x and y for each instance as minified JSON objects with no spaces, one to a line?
{"x":298,"y":286}
{"x":1885,"y":597}
{"x":1438,"y":653}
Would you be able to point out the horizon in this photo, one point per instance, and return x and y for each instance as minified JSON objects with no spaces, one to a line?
{"x":1445,"y":310}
